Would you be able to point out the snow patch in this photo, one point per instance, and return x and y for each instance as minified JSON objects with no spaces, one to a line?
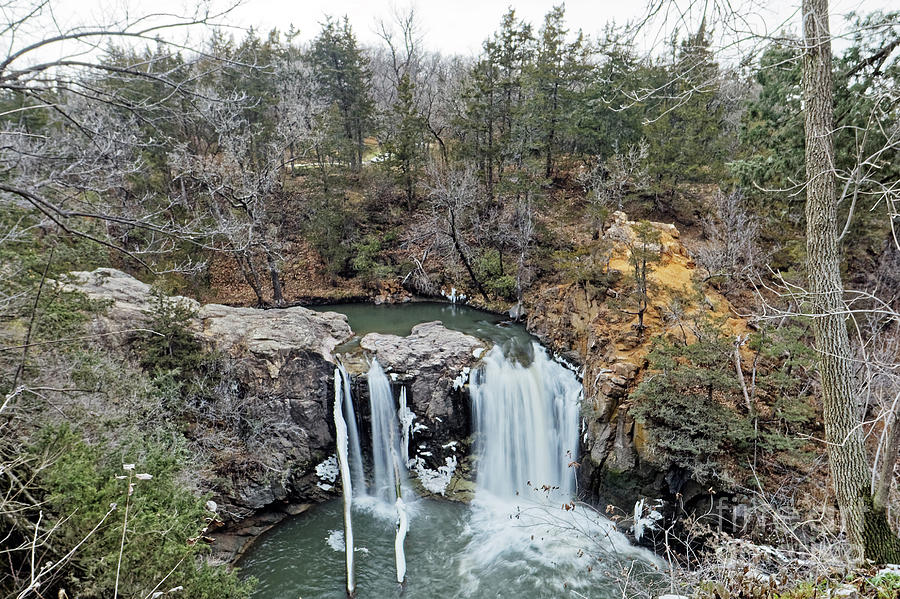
{"x":328,"y":470}
{"x":462,"y":379}
{"x":435,"y":481}
{"x":335,"y":540}
{"x":476,"y":353}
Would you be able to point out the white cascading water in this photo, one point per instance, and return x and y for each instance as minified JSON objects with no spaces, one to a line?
{"x":526,"y":423}
{"x":388,"y":475}
{"x":357,"y":475}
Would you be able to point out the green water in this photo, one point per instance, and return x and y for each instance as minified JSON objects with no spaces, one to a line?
{"x":399,"y":319}
{"x":453,"y":551}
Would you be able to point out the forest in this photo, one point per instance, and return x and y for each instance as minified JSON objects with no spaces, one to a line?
{"x":708,"y":230}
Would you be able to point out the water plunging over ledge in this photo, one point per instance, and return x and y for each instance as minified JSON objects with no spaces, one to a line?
{"x":522,"y":536}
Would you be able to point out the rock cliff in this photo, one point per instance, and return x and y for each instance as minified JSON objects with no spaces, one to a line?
{"x":281,"y":365}
{"x":583,"y":322}
{"x":433,"y":364}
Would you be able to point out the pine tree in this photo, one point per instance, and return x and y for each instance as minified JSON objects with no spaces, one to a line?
{"x":344,"y":79}
{"x":555,"y":76}
{"x":406,"y":148}
{"x":684,"y":133}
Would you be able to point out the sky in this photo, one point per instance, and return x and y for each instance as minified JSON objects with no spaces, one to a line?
{"x":450,"y":26}
{"x":460,"y":26}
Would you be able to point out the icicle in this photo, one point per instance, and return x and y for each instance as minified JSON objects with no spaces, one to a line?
{"x":406,"y":419}
{"x":340,"y":428}
{"x":402,"y":529}
{"x":402,"y":518}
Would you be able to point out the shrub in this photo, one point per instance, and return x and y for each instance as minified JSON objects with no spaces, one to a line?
{"x":366,"y":261}
{"x":684,"y":404}
{"x":489,"y":270}
{"x":170,"y":347}
{"x":163,"y":532}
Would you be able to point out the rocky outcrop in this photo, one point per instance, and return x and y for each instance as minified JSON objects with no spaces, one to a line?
{"x":433,"y":364}
{"x":584,"y":322}
{"x":273,"y":402}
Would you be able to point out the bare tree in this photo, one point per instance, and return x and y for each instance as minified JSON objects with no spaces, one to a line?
{"x":732,"y":232}
{"x":75,"y":172}
{"x":454,"y":195}
{"x":607,"y":183}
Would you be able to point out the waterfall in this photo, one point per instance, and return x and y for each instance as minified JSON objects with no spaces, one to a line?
{"x":341,"y":438}
{"x":355,"y":453}
{"x":526,"y":423}
{"x":386,"y":450}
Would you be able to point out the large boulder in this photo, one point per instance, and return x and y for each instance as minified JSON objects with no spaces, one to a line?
{"x":433,"y":363}
{"x":276,"y":411}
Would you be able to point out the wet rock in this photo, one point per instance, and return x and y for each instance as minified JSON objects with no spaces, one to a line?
{"x":433,"y":363}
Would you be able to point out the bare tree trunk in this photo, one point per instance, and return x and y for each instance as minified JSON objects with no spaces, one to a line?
{"x":245,"y":263}
{"x":889,"y":448}
{"x":465,"y":260}
{"x":866,"y":524}
{"x":277,"y":290}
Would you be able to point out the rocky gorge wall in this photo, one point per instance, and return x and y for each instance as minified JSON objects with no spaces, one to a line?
{"x":281,"y":365}
{"x":583,"y":323}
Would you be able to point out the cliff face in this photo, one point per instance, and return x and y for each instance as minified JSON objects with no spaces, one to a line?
{"x":266,"y":434}
{"x":280,"y":364}
{"x":587,"y":325}
{"x":433,"y":364}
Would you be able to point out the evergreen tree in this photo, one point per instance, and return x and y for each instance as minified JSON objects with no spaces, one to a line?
{"x":684,"y":131}
{"x":492,"y":121}
{"x":556,"y":75}
{"x":344,"y":80}
{"x":606,"y":116}
{"x":406,"y":148}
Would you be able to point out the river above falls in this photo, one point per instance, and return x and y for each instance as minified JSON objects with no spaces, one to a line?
{"x":522,"y":537}
{"x":399,"y":319}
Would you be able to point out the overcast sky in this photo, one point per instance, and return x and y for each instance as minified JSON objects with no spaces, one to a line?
{"x":450,"y":26}
{"x":460,"y":26}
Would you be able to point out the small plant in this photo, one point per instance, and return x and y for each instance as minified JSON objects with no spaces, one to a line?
{"x":169,"y":346}
{"x":366,"y":261}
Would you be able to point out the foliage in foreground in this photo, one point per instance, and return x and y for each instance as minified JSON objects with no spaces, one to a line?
{"x":163,"y":523}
